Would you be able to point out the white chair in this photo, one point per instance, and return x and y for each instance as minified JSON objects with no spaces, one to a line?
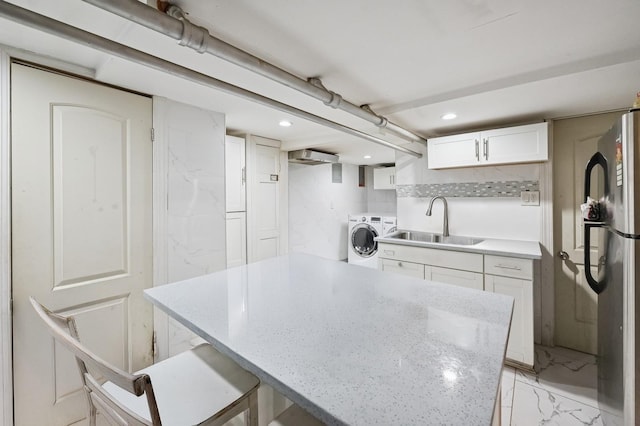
{"x":200,"y":386}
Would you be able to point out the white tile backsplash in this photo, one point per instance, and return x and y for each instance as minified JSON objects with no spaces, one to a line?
{"x":500,"y":217}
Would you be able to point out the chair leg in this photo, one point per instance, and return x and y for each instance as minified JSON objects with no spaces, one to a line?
{"x":251,"y":415}
{"x":92,"y":415}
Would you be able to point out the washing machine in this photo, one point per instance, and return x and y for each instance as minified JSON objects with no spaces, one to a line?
{"x":363,"y":248}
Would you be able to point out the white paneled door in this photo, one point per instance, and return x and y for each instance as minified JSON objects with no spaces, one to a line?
{"x":576,"y":309}
{"x":265,"y":223}
{"x":81,"y":208}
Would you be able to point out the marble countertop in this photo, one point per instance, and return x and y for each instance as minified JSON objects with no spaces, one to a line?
{"x":511,"y":248}
{"x":353,"y":345}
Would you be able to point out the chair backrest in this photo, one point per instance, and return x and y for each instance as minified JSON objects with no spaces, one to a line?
{"x":64,"y":330}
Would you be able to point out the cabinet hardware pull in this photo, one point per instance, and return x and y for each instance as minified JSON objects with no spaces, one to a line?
{"x":477,"y":150}
{"x":515,"y":268}
{"x":485,"y":148}
{"x":400,"y":264}
{"x":244,"y":175}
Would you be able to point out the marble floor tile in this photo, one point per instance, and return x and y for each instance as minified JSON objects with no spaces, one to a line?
{"x":564,"y":372}
{"x":537,"y":406}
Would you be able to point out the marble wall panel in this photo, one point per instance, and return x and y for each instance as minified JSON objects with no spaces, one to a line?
{"x":319,"y":209}
{"x":195,"y":141}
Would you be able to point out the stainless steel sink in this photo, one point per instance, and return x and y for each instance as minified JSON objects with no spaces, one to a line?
{"x":427,"y":237}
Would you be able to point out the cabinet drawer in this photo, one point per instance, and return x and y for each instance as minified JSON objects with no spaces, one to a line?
{"x":439,"y":257}
{"x":409,"y":269}
{"x":508,"y":267}
{"x":474,"y":280}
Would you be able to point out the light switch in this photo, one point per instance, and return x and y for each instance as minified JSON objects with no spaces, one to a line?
{"x":530,"y":198}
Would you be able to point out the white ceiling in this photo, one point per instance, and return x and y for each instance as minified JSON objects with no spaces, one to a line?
{"x":493,"y":62}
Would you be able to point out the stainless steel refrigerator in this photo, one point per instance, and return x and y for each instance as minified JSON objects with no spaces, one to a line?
{"x":618,"y":214}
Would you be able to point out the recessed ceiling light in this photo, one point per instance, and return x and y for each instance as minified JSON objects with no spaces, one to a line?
{"x":285,"y":123}
{"x":367,"y":157}
{"x":449,"y":116}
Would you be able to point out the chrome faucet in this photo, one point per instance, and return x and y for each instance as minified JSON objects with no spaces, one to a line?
{"x":445,"y":226}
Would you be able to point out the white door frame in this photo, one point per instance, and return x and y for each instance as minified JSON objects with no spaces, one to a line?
{"x":160,"y":225}
{"x":6,"y":370}
{"x":545,"y":297}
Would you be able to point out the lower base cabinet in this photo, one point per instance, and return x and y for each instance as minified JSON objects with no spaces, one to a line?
{"x":498,"y":274}
{"x":520,"y":347}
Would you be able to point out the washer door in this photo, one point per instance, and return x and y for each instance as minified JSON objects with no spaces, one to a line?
{"x":362,"y":240}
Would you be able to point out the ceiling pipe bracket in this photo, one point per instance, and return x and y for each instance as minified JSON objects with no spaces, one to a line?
{"x":383,"y":121}
{"x":193,"y":36}
{"x":335,"y":100}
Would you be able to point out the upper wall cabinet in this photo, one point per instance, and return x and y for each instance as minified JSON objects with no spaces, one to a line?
{"x":519,"y":144}
{"x":384,"y":178}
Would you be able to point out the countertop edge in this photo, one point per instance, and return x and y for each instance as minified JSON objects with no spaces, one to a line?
{"x":485,"y":247}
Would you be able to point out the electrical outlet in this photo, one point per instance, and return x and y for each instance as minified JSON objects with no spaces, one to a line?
{"x":530,"y":198}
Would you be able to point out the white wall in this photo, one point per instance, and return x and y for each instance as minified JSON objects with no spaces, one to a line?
{"x":478,"y":217}
{"x":318,"y":208}
{"x":381,"y":201}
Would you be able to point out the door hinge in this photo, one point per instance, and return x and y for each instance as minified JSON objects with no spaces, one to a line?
{"x":154,"y":346}
{"x":153,"y":134}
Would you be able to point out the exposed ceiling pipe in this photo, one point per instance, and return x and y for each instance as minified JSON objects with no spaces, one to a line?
{"x":68,"y":32}
{"x":176,"y":25}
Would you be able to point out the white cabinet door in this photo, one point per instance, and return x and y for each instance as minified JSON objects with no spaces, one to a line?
{"x":453,"y":151}
{"x":384,"y":178}
{"x":409,"y":269}
{"x":466,"y":279}
{"x":236,"y":239}
{"x":235,"y":174}
{"x":515,"y":144}
{"x":520,"y":347}
{"x":264,"y":225}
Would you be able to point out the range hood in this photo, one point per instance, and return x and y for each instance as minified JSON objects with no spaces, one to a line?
{"x":309,"y":156}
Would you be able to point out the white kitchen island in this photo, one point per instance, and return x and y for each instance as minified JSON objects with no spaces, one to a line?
{"x":353,"y":345}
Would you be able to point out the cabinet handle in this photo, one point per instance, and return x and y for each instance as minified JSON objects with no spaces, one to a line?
{"x":400,"y":264}
{"x":477,"y":150}
{"x":244,"y":175}
{"x":515,"y":268}
{"x":485,"y":148}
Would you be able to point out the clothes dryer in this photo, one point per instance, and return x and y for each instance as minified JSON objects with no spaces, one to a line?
{"x":389,"y":225}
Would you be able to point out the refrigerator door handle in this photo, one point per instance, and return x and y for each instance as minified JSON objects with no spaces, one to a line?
{"x":595,"y":285}
{"x":595,"y":160}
